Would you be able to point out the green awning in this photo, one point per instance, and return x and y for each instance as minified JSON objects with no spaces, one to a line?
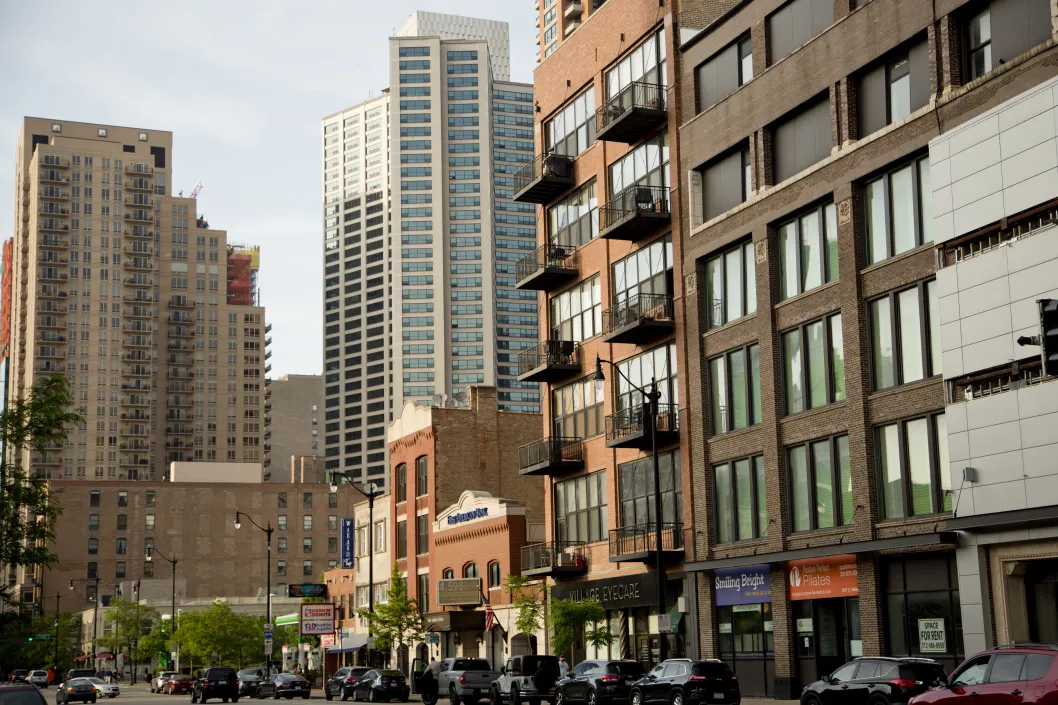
{"x":292,"y":618}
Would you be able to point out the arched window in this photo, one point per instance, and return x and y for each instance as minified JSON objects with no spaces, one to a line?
{"x":422,"y":475}
{"x":402,"y":483}
{"x":494,"y":574}
{"x":449,"y":574}
{"x":470,"y":570}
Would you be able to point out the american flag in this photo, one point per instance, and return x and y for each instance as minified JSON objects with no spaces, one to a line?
{"x":490,"y":616}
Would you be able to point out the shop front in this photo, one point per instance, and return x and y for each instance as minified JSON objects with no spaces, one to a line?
{"x":825,"y":605}
{"x":746,"y":636}
{"x":462,"y":633}
{"x":923,"y":616}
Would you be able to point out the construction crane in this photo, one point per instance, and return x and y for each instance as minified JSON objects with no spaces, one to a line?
{"x":196,"y":190}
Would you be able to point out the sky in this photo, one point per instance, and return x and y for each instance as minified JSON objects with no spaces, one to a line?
{"x":243,"y":86}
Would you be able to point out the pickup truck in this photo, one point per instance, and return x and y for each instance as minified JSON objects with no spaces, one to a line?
{"x":465,"y":680}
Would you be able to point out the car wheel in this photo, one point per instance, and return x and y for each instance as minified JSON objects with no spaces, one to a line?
{"x":235,"y":699}
{"x":275,"y":695}
{"x":453,"y":696}
{"x":637,"y":697}
{"x":677,"y":698}
{"x":113,"y":695}
{"x":560,"y":697}
{"x":515,"y":697}
{"x":591,"y":697}
{"x":305,"y":696}
{"x":371,"y":695}
{"x":878,"y":699}
{"x":327,"y":694}
{"x":810,"y":699}
{"x":194,"y":697}
{"x":343,"y":694}
{"x":93,"y":698}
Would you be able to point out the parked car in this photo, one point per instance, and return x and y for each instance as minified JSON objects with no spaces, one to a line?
{"x":285,"y":685}
{"x":529,"y":678}
{"x":598,"y":682}
{"x":381,"y":685}
{"x":465,"y":679}
{"x":160,"y":680}
{"x":21,"y":694}
{"x":1001,"y":675}
{"x":39,"y":678}
{"x":875,"y":680}
{"x":681,"y":680}
{"x":340,"y":685}
{"x":80,"y":673}
{"x":216,"y":682}
{"x":109,"y":690}
{"x":76,"y":689}
{"x":178,"y":683}
{"x":19,"y":674}
{"x":249,"y":679}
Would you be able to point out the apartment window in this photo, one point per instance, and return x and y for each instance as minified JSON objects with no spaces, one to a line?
{"x":741,"y":500}
{"x":580,"y":508}
{"x":93,"y":522}
{"x":734,"y":389}
{"x":422,"y":475}
{"x":281,"y":522}
{"x":470,"y":570}
{"x":93,"y":498}
{"x":150,"y":498}
{"x":422,"y":592}
{"x":636,"y":490}
{"x":148,"y":522}
{"x":820,"y":484}
{"x":912,"y":466}
{"x":905,"y":336}
{"x":792,"y":25}
{"x":658,"y":364}
{"x":495,"y":579}
{"x":980,"y":45}
{"x":894,"y":88}
{"x":402,"y":483}
{"x":148,"y":569}
{"x":281,"y":568}
{"x":402,"y":538}
{"x":1002,"y":30}
{"x":813,"y":365}
{"x":119,"y":569}
{"x":644,"y":64}
{"x":574,"y":221}
{"x":647,"y":164}
{"x":899,"y":211}
{"x":93,"y":546}
{"x":123,"y":522}
{"x":332,"y":500}
{"x":731,"y":280}
{"x":121,"y":546}
{"x":281,"y":542}
{"x":808,"y":251}
{"x":422,"y":534}
{"x":646,"y":271}
{"x":281,"y":500}
{"x":148,"y":545}
{"x":722,"y":74}
{"x":332,"y":523}
{"x":306,"y":500}
{"x":380,"y":537}
{"x":332,"y":544}
{"x":576,"y":313}
{"x":123,"y":498}
{"x":306,"y":544}
{"x":572,"y":130}
{"x":306,"y":568}
{"x":306,"y":522}
{"x":802,"y":138}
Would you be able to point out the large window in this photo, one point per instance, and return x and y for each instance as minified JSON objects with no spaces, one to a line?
{"x":813,"y":365}
{"x":576,"y":313}
{"x":793,"y":24}
{"x":422,"y":534}
{"x":923,"y":587}
{"x":647,"y":164}
{"x":724,"y":72}
{"x":658,"y":364}
{"x":422,"y":475}
{"x":495,"y":577}
{"x":734,"y":389}
{"x":646,"y":271}
{"x":572,"y":130}
{"x":645,"y":64}
{"x":745,"y":629}
{"x":894,"y":88}
{"x":402,"y":483}
{"x":576,"y":410}
{"x":808,"y":251}
{"x":820,"y":484}
{"x":580,"y":508}
{"x":741,"y":500}
{"x":912,"y":461}
{"x":574,"y":221}
{"x":802,"y":138}
{"x":402,"y":538}
{"x":1002,"y":30}
{"x":731,"y":280}
{"x":726,"y":182}
{"x":899,"y":211}
{"x":636,"y":484}
{"x":422,"y":592}
{"x":905,"y":336}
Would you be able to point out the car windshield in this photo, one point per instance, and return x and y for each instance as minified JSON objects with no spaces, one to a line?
{"x":632,"y":669}
{"x":471,"y":664}
{"x":27,"y":696}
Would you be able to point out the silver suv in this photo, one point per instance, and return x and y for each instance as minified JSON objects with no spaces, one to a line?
{"x":528,"y":679}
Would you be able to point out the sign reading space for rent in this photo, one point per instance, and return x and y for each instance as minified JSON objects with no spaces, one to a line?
{"x":317,"y":619}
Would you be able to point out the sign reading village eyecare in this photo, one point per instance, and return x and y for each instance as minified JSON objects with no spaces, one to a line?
{"x":742,"y":586}
{"x":348,"y":543}
{"x":614,"y":593}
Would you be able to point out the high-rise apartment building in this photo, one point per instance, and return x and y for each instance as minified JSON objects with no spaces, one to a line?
{"x":558,"y":19}
{"x":295,"y":409}
{"x":430,"y":142}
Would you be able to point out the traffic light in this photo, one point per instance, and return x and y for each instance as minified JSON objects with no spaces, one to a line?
{"x":29,"y":638}
{"x":1049,"y":335}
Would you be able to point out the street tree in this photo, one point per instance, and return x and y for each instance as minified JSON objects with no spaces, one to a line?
{"x":573,"y":620}
{"x":131,"y":622}
{"x":528,"y":598}
{"x":398,"y":621}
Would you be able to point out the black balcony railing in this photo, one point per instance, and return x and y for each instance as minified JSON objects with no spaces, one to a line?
{"x":635,"y":212}
{"x":552,"y":454}
{"x":630,"y":427}
{"x":545,"y":360}
{"x":554,"y":558}
{"x":543,"y":179}
{"x":639,"y":542}
{"x":546,"y":266}
{"x":636,"y":110}
{"x":637,"y":311}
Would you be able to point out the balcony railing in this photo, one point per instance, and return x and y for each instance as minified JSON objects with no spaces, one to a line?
{"x":630,"y":427}
{"x":554,"y":558}
{"x":638,"y":319}
{"x":639,"y":543}
{"x":547,"y":267}
{"x":631,"y":114}
{"x":550,"y":360}
{"x":551,"y":456}
{"x":634,"y":213}
{"x":544,"y":179}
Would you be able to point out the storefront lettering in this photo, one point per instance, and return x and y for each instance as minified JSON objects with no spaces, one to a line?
{"x":479,"y":513}
{"x":607,"y":593}
{"x":614,"y":593}
{"x":741,"y":586}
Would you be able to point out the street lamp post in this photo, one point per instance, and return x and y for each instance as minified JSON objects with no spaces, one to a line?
{"x":652,"y":398}
{"x":95,"y":611}
{"x":58,"y":596}
{"x":151,"y":552}
{"x":370,"y":491}
{"x":268,"y":569}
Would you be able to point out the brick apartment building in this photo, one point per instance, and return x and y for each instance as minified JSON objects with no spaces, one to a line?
{"x":609,"y":267}
{"x":817,"y":414}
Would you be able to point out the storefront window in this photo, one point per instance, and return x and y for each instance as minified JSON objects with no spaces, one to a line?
{"x":746,"y":629}
{"x":923,"y":613}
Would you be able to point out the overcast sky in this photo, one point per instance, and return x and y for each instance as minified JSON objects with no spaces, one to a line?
{"x":242,"y":85}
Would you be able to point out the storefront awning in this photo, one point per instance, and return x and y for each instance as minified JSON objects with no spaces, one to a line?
{"x":349,"y":644}
{"x":1017,"y":519}
{"x":286,"y":619}
{"x":920,"y":540}
{"x":461,"y":621}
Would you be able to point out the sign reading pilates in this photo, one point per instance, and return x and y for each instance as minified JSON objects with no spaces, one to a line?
{"x":742,"y":586}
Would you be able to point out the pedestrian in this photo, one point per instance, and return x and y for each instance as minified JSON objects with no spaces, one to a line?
{"x":563,"y":667}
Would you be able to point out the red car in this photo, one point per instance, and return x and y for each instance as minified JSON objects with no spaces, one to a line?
{"x":1005,"y":675}
{"x":178,"y":684}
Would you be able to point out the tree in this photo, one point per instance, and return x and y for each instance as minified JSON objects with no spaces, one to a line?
{"x":528,"y":598}
{"x":397,"y":622}
{"x":39,"y":422}
{"x":131,"y":623}
{"x":572,"y":618}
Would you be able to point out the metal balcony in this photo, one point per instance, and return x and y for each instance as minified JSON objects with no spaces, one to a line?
{"x":544,"y":179}
{"x":54,"y":212}
{"x":130,"y":343}
{"x":50,"y":162}
{"x":46,"y":178}
{"x":143,"y":283}
{"x":138,"y":264}
{"x":52,"y":293}
{"x":138,"y":356}
{"x":52,"y":277}
{"x":50,"y":367}
{"x":136,"y":416}
{"x":547,"y":267}
{"x":639,"y":319}
{"x":134,"y":217}
{"x":549,"y":361}
{"x":55,"y":243}
{"x":141,"y":231}
{"x":181,"y":332}
{"x":137,"y":371}
{"x":57,"y":228}
{"x":64,"y":196}
{"x":630,"y":428}
{"x":182,"y":304}
{"x":554,"y":455}
{"x":137,"y":202}
{"x":632,"y":114}
{"x":634,"y":213}
{"x":139,"y":169}
{"x":554,"y":559}
{"x":639,"y":543}
{"x":178,"y":430}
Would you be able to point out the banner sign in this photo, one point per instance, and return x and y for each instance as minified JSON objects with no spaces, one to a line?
{"x":348,"y":543}
{"x":742,"y":586}
{"x":317,"y":619}
{"x":819,"y":578}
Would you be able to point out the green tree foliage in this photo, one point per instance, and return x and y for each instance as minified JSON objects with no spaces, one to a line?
{"x":398,"y":621}
{"x":16,"y":651}
{"x":236,"y":639}
{"x":527,"y":596}
{"x":39,"y":422}
{"x":573,"y":620}
{"x":130,"y":623}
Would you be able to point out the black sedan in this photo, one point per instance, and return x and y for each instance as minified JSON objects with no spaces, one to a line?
{"x":340,"y":685}
{"x":381,"y":686}
{"x":597,"y":682}
{"x":284,"y":685}
{"x":77,"y":689}
{"x":877,"y":680}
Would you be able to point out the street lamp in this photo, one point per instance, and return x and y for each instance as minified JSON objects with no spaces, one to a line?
{"x":652,"y":398}
{"x":151,"y":550}
{"x":370,"y":490}
{"x":268,"y":569}
{"x":95,"y":611}
{"x":58,"y":596}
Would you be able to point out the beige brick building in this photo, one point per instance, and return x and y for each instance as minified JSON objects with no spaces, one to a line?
{"x":292,"y":405}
